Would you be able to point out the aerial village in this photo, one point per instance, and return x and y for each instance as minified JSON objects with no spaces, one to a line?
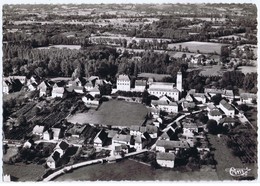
{"x":172,"y":126}
{"x":169,"y":87}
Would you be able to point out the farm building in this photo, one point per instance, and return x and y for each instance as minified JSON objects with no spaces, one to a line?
{"x":248,"y":98}
{"x":227,"y":108}
{"x":165,"y":159}
{"x":123,"y":83}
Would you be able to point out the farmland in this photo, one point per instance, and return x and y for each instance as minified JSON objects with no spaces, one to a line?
{"x":247,"y":69}
{"x":76,"y":47}
{"x":24,"y":172}
{"x":214,"y":70}
{"x":121,"y":171}
{"x":202,"y":47}
{"x":113,"y":113}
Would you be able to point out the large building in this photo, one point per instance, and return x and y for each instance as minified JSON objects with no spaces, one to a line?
{"x":162,"y":88}
{"x":123,"y":83}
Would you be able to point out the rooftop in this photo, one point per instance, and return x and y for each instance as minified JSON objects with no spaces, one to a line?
{"x":123,"y":77}
{"x":172,"y":144}
{"x":165,"y":156}
{"x":226,"y":105}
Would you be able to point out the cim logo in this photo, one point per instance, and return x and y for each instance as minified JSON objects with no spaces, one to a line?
{"x":238,"y":171}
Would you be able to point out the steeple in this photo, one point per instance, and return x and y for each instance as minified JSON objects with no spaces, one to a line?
{"x":179,"y":81}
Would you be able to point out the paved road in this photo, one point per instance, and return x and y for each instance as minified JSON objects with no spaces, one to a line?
{"x":90,"y":162}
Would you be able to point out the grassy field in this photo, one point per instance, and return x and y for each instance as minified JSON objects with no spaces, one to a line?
{"x":11,"y":152}
{"x":114,"y":113}
{"x":214,"y":70}
{"x":247,"y":69}
{"x":23,"y":172}
{"x":225,"y":159}
{"x":203,"y":47}
{"x":77,"y":47}
{"x":131,"y":170}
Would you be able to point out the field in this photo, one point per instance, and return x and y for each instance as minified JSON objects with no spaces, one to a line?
{"x":247,"y":69}
{"x":77,"y":47}
{"x":214,"y":70}
{"x":131,"y":170}
{"x":157,"y":77}
{"x":225,"y":159}
{"x":203,"y":47}
{"x":113,"y":113}
{"x":23,"y":172}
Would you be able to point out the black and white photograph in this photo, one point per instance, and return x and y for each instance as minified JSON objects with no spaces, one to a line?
{"x":142,"y":91}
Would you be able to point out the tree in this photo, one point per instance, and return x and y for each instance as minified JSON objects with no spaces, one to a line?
{"x":216,"y":99}
{"x":105,"y":89}
{"x":212,"y":126}
{"x":21,"y":121}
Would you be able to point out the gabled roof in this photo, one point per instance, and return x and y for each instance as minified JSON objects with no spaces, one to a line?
{"x":168,"y":134}
{"x":172,"y":144}
{"x":214,"y":91}
{"x":229,"y":93}
{"x":162,"y":102}
{"x":215,"y":112}
{"x":121,"y":137}
{"x":56,"y":132}
{"x":111,"y":133}
{"x":62,"y":145}
{"x":227,"y":120}
{"x":140,"y":82}
{"x":123,"y":77}
{"x":165,"y":156}
{"x":55,"y":156}
{"x":102,"y":135}
{"x":138,"y":139}
{"x":77,"y":129}
{"x":226,"y":105}
{"x":248,"y":95}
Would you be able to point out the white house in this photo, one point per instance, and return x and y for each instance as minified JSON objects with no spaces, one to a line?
{"x":57,"y":91}
{"x":53,"y":160}
{"x":138,"y":142}
{"x":165,"y":159}
{"x":215,"y":114}
{"x":38,"y":130}
{"x":140,"y":85}
{"x":123,"y":83}
{"x":227,"y":108}
{"x":171,"y":146}
{"x":100,"y":138}
{"x":248,"y":98}
{"x":165,"y":104}
{"x":119,"y":139}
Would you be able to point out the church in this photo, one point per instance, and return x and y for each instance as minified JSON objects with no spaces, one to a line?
{"x":159,"y":89}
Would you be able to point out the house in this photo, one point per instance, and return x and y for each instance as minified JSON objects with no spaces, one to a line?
{"x":121,"y":149}
{"x":123,"y":83}
{"x":100,"y":138}
{"x":161,"y":88}
{"x":119,"y":139}
{"x":165,"y":159}
{"x":140,"y":85}
{"x":189,"y":127}
{"x":228,"y":94}
{"x":5,"y":86}
{"x":90,"y":101}
{"x":157,"y":122}
{"x":212,"y":91}
{"x":77,"y":130}
{"x":89,"y":86}
{"x":44,"y":88}
{"x":168,"y":135}
{"x":38,"y":130}
{"x":95,"y":91}
{"x":165,"y":104}
{"x":22,"y":79}
{"x":61,"y":147}
{"x":227,"y":108}
{"x":171,"y":146}
{"x":52,"y":134}
{"x":138,"y":142}
{"x":215,"y":114}
{"x":135,"y":130}
{"x":187,"y":106}
{"x":248,"y":98}
{"x":228,"y":121}
{"x":58,"y":90}
{"x":151,"y":130}
{"x":193,"y":96}
{"x":210,"y":107}
{"x":11,"y":85}
{"x":53,"y":160}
